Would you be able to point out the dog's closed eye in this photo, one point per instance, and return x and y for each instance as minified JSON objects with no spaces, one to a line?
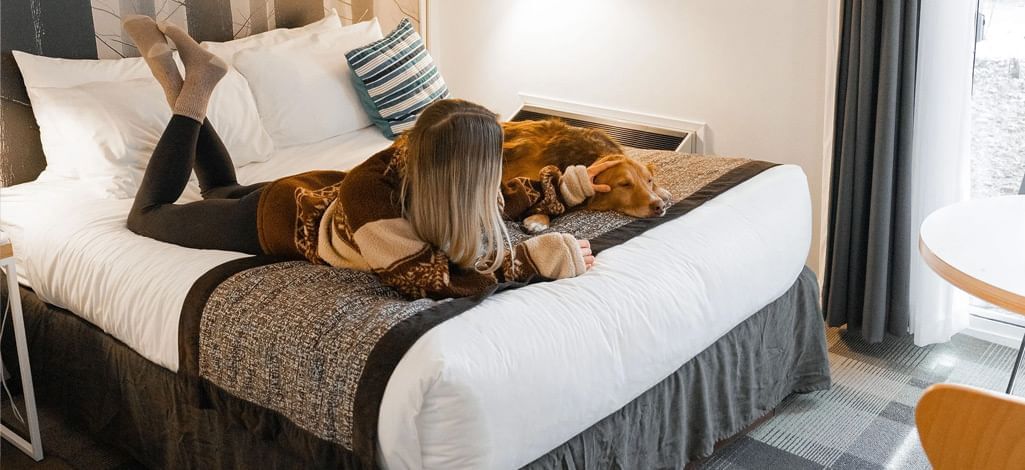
{"x":625,"y":183}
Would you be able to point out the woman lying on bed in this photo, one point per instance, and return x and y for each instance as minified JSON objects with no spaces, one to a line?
{"x":425,"y":214}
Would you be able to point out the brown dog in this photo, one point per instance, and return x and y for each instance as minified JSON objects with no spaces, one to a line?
{"x":529,"y":146}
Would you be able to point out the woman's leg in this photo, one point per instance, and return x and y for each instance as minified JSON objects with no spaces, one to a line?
{"x":211,"y":224}
{"x":215,"y":170}
{"x":226,"y":224}
{"x":222,"y":224}
{"x":170,"y":166}
{"x":213,"y":164}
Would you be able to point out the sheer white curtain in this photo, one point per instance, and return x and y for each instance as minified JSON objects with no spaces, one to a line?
{"x":946,"y":42}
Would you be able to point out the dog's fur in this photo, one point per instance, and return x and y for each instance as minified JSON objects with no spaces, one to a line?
{"x":531,"y":145}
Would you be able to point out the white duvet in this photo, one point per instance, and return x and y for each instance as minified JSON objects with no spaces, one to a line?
{"x":497,"y":386}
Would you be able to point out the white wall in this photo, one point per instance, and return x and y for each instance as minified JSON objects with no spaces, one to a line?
{"x":757,"y":72}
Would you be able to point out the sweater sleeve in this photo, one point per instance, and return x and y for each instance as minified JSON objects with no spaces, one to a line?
{"x":414,"y":267}
{"x":550,"y":256}
{"x":551,"y":193}
{"x":417,"y":269}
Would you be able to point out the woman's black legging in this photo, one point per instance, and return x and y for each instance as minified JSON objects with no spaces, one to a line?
{"x":226,"y":217}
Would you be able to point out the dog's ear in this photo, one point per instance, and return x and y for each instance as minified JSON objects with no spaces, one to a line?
{"x":651,"y":167}
{"x":611,"y":158}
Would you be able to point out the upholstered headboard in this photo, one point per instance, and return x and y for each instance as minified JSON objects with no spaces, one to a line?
{"x":90,"y":29}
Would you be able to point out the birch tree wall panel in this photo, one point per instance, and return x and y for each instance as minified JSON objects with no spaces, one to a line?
{"x":44,"y":27}
{"x":111,"y":40}
{"x":217,"y":20}
{"x":390,"y":12}
{"x":209,"y":20}
{"x":292,"y":13}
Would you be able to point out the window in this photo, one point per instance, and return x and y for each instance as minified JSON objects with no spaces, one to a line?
{"x":998,"y":112}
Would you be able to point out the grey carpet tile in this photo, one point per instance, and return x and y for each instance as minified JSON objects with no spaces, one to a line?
{"x":64,"y":447}
{"x":900,"y":413}
{"x":851,"y":462}
{"x":894,"y":354}
{"x":750,"y":454}
{"x":865,"y":421}
{"x":889,"y":444}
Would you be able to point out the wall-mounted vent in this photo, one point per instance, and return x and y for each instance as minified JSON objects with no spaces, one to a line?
{"x":626,"y":133}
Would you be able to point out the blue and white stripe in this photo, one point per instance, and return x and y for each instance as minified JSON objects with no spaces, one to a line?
{"x":399,"y":76}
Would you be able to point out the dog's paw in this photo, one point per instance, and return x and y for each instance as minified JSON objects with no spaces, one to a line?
{"x":534,"y":226}
{"x":664,"y":194}
{"x":536,"y":223}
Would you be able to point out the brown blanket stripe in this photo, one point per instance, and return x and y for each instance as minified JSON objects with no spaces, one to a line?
{"x":390,"y":349}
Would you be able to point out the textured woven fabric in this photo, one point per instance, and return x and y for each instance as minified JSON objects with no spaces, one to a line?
{"x":396,"y":78}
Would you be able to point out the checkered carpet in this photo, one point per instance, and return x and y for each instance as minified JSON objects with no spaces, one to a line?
{"x":866,"y":420}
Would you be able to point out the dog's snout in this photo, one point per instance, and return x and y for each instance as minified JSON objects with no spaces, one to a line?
{"x":658,"y":207}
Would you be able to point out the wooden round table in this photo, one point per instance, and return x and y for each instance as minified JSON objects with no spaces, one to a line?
{"x":979,"y":247}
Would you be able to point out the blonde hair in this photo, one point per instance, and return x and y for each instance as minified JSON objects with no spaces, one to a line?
{"x":451,"y":184}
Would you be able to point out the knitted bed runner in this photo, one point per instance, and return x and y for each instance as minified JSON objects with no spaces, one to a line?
{"x":302,"y":352}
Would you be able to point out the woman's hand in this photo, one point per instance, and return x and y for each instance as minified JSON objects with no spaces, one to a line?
{"x":597,"y":168}
{"x":577,"y":182}
{"x":585,"y":251}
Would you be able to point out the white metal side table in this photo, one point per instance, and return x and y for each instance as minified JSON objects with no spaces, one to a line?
{"x":34,"y":445}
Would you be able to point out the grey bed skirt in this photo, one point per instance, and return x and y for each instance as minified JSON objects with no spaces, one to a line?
{"x":109,"y":391}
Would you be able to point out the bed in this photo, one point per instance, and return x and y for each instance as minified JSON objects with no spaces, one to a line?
{"x":689,"y":329}
{"x":508,"y":382}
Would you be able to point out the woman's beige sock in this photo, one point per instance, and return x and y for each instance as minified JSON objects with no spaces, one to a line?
{"x":152,"y":44}
{"x":202,"y":72}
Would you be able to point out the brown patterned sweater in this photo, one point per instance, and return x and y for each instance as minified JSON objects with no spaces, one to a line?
{"x":354,"y":220}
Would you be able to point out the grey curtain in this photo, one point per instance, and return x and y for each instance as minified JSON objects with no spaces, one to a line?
{"x":868,"y":260}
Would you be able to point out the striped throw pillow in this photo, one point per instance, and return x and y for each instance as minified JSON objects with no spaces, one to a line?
{"x":396,"y":78}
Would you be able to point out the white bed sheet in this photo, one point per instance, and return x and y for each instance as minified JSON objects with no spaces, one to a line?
{"x":499,"y":385}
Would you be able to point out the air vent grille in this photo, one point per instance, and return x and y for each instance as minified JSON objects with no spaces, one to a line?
{"x":625,"y":134}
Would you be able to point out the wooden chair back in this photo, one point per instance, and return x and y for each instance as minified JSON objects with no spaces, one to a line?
{"x":965,"y":427}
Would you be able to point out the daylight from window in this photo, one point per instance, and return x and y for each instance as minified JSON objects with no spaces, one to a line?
{"x":998,"y":111}
{"x":998,"y":100}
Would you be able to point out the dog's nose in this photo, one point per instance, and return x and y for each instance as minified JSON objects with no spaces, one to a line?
{"x":658,"y":206}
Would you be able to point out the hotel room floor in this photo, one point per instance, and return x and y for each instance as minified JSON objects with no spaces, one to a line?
{"x":866,"y":421}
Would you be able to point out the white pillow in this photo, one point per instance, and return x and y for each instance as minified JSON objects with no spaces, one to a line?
{"x":101,"y":131}
{"x":235,"y":117}
{"x":226,"y":50}
{"x":303,"y":87}
{"x":50,"y":72}
{"x":232,"y":112}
